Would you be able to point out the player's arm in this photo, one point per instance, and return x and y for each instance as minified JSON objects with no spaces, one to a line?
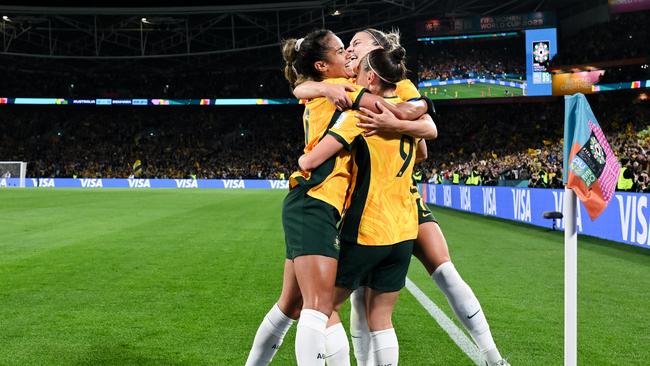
{"x":337,"y":94}
{"x":422,"y":152}
{"x":386,"y":121}
{"x":413,"y":109}
{"x":339,"y":136}
{"x":324,"y":150}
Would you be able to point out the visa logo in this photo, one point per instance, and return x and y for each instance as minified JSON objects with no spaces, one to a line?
{"x":634,"y":218}
{"x":558,"y":200}
{"x":91,"y":183}
{"x":233,"y":183}
{"x":432,"y":193}
{"x":490,"y":201}
{"x":279,"y":184}
{"x":521,"y":203}
{"x":43,"y":182}
{"x":465,"y":199}
{"x":139,"y":183}
{"x":446,"y":190}
{"x":186,"y":183}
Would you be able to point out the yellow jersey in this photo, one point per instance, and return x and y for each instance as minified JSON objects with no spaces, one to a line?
{"x":407,"y":91}
{"x":330,"y":181}
{"x":380,"y":209}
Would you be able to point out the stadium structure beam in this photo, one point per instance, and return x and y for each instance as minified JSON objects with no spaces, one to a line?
{"x":283,"y":6}
{"x":190,"y":34}
{"x":405,"y":4}
{"x":201,"y":31}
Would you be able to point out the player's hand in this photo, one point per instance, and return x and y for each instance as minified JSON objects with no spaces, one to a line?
{"x":411,"y":110}
{"x":337,"y":94}
{"x":375,"y":123}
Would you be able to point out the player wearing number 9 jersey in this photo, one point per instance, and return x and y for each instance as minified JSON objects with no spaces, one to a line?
{"x":310,"y":212}
{"x":380,"y":221}
{"x":430,"y":247}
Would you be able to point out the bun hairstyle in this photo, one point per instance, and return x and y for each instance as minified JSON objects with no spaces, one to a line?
{"x":389,"y":66}
{"x":300,"y":55}
{"x":387,"y":41}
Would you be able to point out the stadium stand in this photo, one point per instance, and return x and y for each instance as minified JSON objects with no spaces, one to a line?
{"x":502,"y":141}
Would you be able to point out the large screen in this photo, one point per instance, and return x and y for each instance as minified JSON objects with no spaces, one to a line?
{"x":494,"y":65}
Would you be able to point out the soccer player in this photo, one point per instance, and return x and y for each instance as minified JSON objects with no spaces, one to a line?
{"x":311,"y":210}
{"x":380,"y":222}
{"x":430,"y":247}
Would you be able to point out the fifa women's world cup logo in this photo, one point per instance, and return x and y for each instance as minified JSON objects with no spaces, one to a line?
{"x":541,"y":55}
{"x":589,"y":162}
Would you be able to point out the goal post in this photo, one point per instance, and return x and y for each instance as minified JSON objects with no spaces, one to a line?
{"x":12,"y":173}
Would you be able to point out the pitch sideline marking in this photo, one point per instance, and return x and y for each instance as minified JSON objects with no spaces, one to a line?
{"x":456,"y":334}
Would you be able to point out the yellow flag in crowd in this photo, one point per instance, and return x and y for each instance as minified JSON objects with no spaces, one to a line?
{"x":137,"y":168}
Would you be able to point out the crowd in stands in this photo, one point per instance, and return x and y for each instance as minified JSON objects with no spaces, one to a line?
{"x":17,"y":82}
{"x":495,"y":143}
{"x":177,"y":142}
{"x":514,"y":142}
{"x":446,"y":60}
{"x":624,"y":36}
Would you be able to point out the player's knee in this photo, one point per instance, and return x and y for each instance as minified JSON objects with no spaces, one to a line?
{"x":377,"y":322}
{"x":290,"y":306}
{"x":323,"y":303}
{"x":427,"y":261}
{"x":442,"y":260}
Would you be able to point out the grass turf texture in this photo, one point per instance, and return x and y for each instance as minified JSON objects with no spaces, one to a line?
{"x":464,"y":91}
{"x":183,"y":277}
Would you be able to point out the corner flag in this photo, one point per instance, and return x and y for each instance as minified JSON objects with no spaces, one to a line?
{"x":590,"y":171}
{"x":590,"y":166}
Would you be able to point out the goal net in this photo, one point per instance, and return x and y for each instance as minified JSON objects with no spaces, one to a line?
{"x":12,"y":173}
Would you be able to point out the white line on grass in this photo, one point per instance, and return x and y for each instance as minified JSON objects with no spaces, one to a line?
{"x":456,"y":334}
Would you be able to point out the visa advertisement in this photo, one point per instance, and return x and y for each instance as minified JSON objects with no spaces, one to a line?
{"x":626,"y":219}
{"x":145,"y":183}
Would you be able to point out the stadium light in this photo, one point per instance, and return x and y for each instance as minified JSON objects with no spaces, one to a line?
{"x":6,"y":18}
{"x":336,"y":13}
{"x":145,"y":21}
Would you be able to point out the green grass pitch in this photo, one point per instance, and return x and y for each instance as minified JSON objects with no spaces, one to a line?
{"x":464,"y":91}
{"x":183,"y":277}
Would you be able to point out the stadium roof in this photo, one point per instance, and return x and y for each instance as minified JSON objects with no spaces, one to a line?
{"x":73,"y":29}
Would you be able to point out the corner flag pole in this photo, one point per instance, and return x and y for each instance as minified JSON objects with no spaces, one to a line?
{"x":570,"y":279}
{"x":590,"y":172}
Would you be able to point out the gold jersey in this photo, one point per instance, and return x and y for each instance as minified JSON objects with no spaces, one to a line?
{"x":330,"y":181}
{"x":380,"y":209}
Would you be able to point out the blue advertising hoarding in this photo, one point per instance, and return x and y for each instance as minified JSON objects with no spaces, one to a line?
{"x":146,"y":183}
{"x":625,"y":220}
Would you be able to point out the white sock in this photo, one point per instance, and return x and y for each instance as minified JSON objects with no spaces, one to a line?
{"x":269,"y":337}
{"x":310,"y":338}
{"x":385,"y":346}
{"x":337,"y":347}
{"x":359,"y":328}
{"x":467,"y":308}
